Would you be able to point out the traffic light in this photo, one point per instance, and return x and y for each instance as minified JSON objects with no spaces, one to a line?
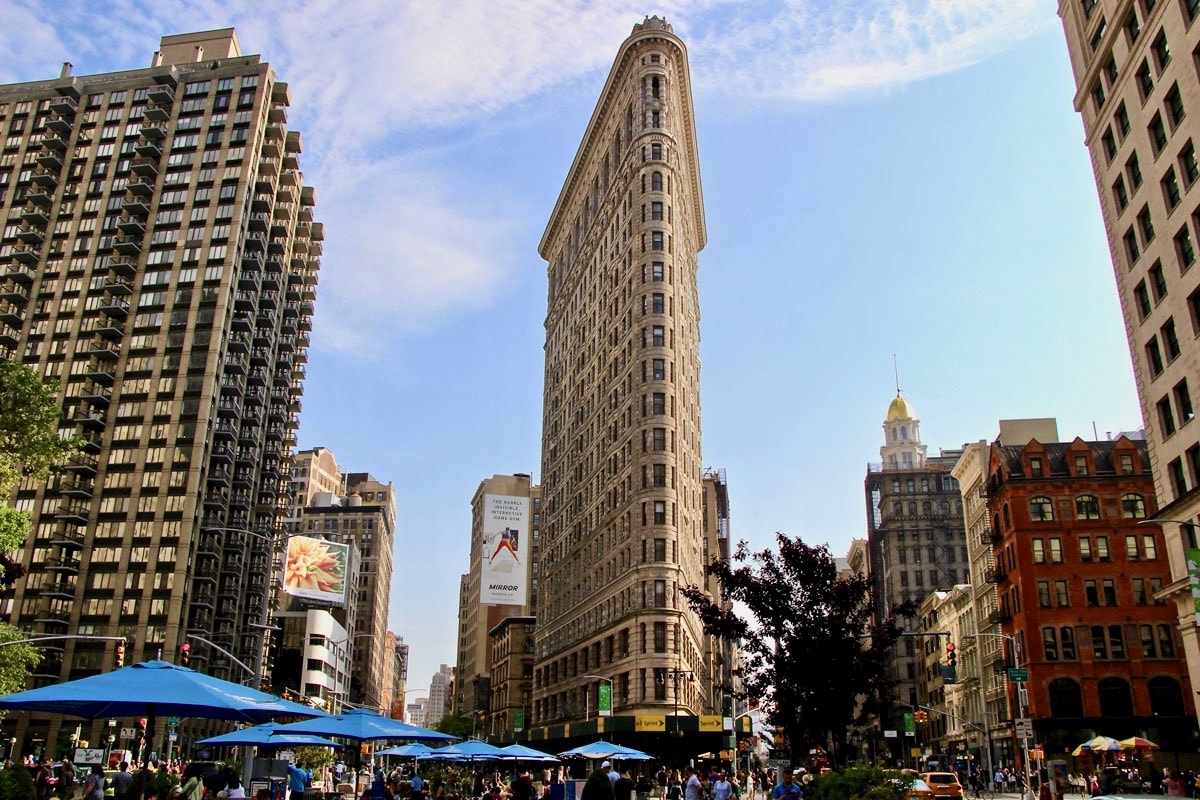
{"x":185,"y":654}
{"x":120,"y":654}
{"x":142,"y":728}
{"x":921,"y":717}
{"x":951,"y":655}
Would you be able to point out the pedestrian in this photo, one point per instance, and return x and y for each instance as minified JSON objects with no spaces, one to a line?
{"x":787,"y":789}
{"x":93,"y":786}
{"x":66,"y":778}
{"x":692,"y":788}
{"x":41,"y":779}
{"x":722,"y":789}
{"x":121,"y":782}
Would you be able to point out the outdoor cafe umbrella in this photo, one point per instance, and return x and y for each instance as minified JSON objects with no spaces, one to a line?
{"x":153,"y":689}
{"x":1137,"y":743}
{"x":603,"y":749}
{"x":470,"y":750}
{"x":413,"y":750}
{"x":522,"y":753}
{"x":363,"y":725}
{"x":1098,"y":744}
{"x":260,"y":736}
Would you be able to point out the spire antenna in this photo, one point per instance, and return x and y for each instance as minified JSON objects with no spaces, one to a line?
{"x":896,"y":370}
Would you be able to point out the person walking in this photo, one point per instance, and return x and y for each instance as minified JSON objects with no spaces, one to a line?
{"x":122,"y":781}
{"x":66,"y":778}
{"x":93,"y":786}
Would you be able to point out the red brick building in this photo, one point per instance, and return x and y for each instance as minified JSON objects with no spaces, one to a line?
{"x":1077,"y":576}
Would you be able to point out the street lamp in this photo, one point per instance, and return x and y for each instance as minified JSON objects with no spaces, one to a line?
{"x":587,"y":700}
{"x":1022,"y":695}
{"x":675,"y":674}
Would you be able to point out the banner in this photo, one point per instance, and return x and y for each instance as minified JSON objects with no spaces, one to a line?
{"x":505,"y":557}
{"x":1193,"y":568}
{"x":316,"y":569}
{"x":910,"y":724}
{"x":711,"y":722}
{"x":604,"y":703}
{"x":649,"y":723}
{"x":519,"y":720}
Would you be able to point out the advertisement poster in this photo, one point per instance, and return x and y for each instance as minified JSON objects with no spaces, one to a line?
{"x":505,"y":557}
{"x":1193,"y":568}
{"x":316,"y":569}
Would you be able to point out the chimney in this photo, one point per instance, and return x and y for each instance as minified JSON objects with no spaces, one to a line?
{"x":199,"y":52}
{"x":156,"y":60}
{"x":66,"y":69}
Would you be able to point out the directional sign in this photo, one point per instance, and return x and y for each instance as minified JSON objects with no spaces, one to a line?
{"x":173,"y":722}
{"x":1016,"y":675}
{"x":128,"y":733}
{"x":1024,"y":727}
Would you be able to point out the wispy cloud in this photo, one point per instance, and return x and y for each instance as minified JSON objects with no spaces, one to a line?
{"x":368,"y":72}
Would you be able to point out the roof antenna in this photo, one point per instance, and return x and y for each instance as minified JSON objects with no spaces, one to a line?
{"x":896,"y":370}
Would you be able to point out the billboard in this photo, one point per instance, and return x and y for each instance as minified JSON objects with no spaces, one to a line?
{"x":504,"y":572}
{"x":316,"y":569}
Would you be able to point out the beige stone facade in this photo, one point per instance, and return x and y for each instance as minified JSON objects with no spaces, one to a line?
{"x":472,"y":690}
{"x":159,"y":255}
{"x":621,"y":459}
{"x":1138,"y":93}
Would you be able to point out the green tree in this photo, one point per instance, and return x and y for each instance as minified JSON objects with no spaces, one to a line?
{"x":455,"y":725}
{"x":859,"y":783}
{"x":30,"y":447}
{"x":315,"y":758}
{"x":815,"y":657}
{"x":17,"y":784}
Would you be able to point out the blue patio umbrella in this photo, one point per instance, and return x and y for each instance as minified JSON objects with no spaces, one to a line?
{"x":260,"y":735}
{"x":470,"y":750}
{"x":520,"y":752}
{"x":414,"y":750}
{"x":153,"y":689}
{"x":606,"y":750}
{"x":363,"y":725}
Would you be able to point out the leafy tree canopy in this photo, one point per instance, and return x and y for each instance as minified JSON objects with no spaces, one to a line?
{"x":813,"y":653}
{"x":459,"y":726}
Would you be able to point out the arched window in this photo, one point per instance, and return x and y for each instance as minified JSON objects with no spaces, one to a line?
{"x":1087,"y":506}
{"x":1133,"y":506}
{"x":1007,"y":517}
{"x":897,"y":508}
{"x":1041,"y":509}
{"x":912,"y":509}
{"x":1166,"y":698}
{"x":656,"y":181}
{"x":656,"y":151}
{"x":655,"y":88}
{"x":1066,"y":700}
{"x":925,"y":507}
{"x":1116,"y":700}
{"x":903,"y":432}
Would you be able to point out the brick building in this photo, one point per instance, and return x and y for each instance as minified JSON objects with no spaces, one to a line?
{"x":1077,"y":575}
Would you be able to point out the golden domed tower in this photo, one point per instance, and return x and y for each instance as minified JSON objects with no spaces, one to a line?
{"x":902,"y":447}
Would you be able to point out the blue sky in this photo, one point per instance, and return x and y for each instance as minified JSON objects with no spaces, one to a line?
{"x":880,"y":176}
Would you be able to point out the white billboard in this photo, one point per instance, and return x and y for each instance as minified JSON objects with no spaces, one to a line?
{"x":316,"y":569}
{"x":504,"y":576}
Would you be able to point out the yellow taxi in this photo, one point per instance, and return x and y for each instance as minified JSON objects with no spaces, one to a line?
{"x":943,"y":784}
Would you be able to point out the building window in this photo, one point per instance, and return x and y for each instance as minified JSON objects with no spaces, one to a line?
{"x":1133,"y":171}
{"x":1133,"y":506}
{"x":1062,"y":594}
{"x":1170,"y":339}
{"x":656,"y":181}
{"x":1099,"y":643}
{"x":1154,"y":357}
{"x":1158,"y":281}
{"x":1158,"y":134}
{"x":1035,"y":467}
{"x":1110,"y":145}
{"x":1162,"y":53}
{"x":1098,"y":36}
{"x":1085,"y":550}
{"x":1120,"y":196}
{"x":1146,"y":634}
{"x":1178,"y":479}
{"x":1145,"y":81}
{"x":1091,"y":593}
{"x":1141,"y":298}
{"x":1087,"y":507}
{"x":1174,"y":103}
{"x":1043,"y":592}
{"x":1102,"y":553}
{"x":1081,"y":465}
{"x":1066,"y":640}
{"x":1039,"y":551}
{"x":1126,"y":464}
{"x":1056,"y":551}
{"x":1122,"y":117}
{"x":1140,"y":596}
{"x":1116,"y":641}
{"x":1132,"y":251}
{"x":1050,"y":643}
{"x":1166,"y":419}
{"x":1172,"y":194}
{"x":1132,"y":551}
{"x":1183,"y":401}
{"x":1192,"y":7}
{"x":1188,"y":163}
{"x":1041,"y":509}
{"x":660,"y":512}
{"x":1146,"y":225}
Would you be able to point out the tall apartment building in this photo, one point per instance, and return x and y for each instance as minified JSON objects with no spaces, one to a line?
{"x":621,"y":467}
{"x":914,"y":531}
{"x":1133,"y":62}
{"x":159,"y":255}
{"x":441,"y":687}
{"x":504,"y":509}
{"x":1078,"y":576}
{"x":314,"y":471}
{"x":721,"y":658}
{"x":365,"y":519}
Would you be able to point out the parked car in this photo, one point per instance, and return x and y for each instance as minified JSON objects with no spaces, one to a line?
{"x":943,"y":784}
{"x":919,"y":790}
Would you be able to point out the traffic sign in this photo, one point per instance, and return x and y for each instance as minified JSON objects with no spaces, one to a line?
{"x":1018,"y":675}
{"x":128,"y":733}
{"x":1024,"y":727}
{"x":173,"y":722}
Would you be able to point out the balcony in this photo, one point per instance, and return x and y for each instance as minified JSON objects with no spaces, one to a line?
{"x":255,"y":240}
{"x":225,"y":430}
{"x":229,"y":408}
{"x":161,"y":94}
{"x":60,"y":125}
{"x":52,"y":141}
{"x":33,"y":214}
{"x":999,"y":617}
{"x":67,"y":565}
{"x":39,"y":197}
{"x":143,"y":187}
{"x":222,"y":455}
{"x":85,"y":463}
{"x":996,"y":575}
{"x":12,"y":314}
{"x":157,"y":113}
{"x":259,"y":222}
{"x":154,"y":131}
{"x":145,"y":167}
{"x":123,"y":266}
{"x":13,"y":292}
{"x":74,"y":485}
{"x":89,"y":417}
{"x":72,"y":512}
{"x":46,"y":178}
{"x":132,"y":225}
{"x":118,"y":286}
{"x":128,"y":245}
{"x":64,"y":106}
{"x":105,"y":348}
{"x":97,"y":394}
{"x":101,"y":371}
{"x":50,"y":160}
{"x":109,"y":327}
{"x":31,"y":235}
{"x":9,"y":336}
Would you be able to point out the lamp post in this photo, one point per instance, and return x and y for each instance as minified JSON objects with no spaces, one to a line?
{"x":1022,"y":696}
{"x":587,"y":701}
{"x":675,"y":674}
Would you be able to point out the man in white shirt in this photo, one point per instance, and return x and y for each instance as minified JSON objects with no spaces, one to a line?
{"x":692,"y":788}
